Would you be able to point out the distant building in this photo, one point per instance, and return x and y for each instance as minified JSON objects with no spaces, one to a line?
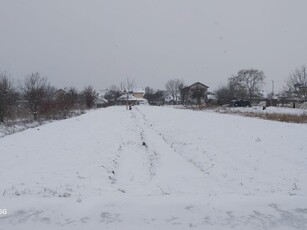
{"x":138,"y":93}
{"x":289,"y":101}
{"x":187,"y":93}
{"x":269,"y":97}
{"x":59,"y":94}
{"x":131,"y":100}
{"x":101,"y":102}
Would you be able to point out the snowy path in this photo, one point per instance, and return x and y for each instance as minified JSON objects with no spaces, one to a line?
{"x":150,"y":166}
{"x":155,"y":168}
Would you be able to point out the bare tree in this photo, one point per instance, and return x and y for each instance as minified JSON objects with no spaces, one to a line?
{"x":63,"y":104}
{"x":72,"y":96}
{"x":296,"y":84}
{"x":90,"y":96}
{"x":35,"y":89}
{"x":224,"y":95}
{"x":154,"y":97}
{"x":232,"y":91}
{"x":114,"y":88}
{"x":171,"y":89}
{"x":248,"y":83}
{"x":129,"y":85}
{"x":7,"y":95}
{"x":180,"y":86}
{"x":174,"y":88}
{"x":236,"y":89}
{"x":112,"y":94}
{"x":148,"y":91}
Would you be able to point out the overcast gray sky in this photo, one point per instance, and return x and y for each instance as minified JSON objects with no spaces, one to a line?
{"x":100,"y":42}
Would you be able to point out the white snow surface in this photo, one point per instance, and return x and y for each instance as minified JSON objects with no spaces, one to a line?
{"x":268,"y":110}
{"x":155,"y":168}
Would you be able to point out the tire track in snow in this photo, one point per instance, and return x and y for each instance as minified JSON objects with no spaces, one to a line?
{"x":189,"y":160}
{"x":203,"y":167}
{"x":219,"y":178}
{"x":174,"y":173}
{"x":134,"y":170}
{"x":152,"y":155}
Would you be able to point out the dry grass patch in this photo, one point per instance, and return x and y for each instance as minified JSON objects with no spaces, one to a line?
{"x":279,"y":117}
{"x":282,"y":117}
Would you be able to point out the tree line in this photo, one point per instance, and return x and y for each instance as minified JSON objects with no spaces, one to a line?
{"x":248,"y":84}
{"x":34,"y":97}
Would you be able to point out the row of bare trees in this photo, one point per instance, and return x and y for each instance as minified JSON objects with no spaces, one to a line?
{"x":174,"y":88}
{"x":8,"y":95}
{"x":154,"y":97}
{"x":247,"y":84}
{"x":173,"y":91}
{"x":36,"y":97}
{"x":296,"y":84}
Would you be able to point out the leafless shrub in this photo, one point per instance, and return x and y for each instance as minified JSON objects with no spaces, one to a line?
{"x":90,"y":96}
{"x":35,"y":90}
{"x":296,"y":84}
{"x":8,"y":96}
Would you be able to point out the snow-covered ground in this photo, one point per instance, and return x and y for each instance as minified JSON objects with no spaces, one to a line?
{"x":155,"y":168}
{"x":268,"y":110}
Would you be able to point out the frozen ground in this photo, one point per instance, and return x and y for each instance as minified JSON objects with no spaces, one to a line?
{"x":155,"y":168}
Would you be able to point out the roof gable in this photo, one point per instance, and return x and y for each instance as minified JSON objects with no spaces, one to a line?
{"x":195,"y":84}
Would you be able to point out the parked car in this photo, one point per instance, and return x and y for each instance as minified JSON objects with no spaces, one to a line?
{"x":241,"y":103}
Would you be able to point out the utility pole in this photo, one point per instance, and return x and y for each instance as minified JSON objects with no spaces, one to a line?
{"x":127,"y":105}
{"x":272,"y":88}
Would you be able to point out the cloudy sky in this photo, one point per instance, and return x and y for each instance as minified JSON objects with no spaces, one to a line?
{"x":104,"y":42}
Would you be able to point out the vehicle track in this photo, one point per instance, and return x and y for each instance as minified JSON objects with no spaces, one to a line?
{"x":196,"y":164}
{"x":167,"y":165}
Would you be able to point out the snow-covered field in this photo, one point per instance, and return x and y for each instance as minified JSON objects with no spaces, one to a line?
{"x":155,"y":168}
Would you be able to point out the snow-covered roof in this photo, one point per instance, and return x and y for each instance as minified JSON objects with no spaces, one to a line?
{"x":100,"y":97}
{"x":102,"y":92}
{"x":139,"y":91}
{"x":60,"y":91}
{"x":196,"y":83}
{"x":130,"y":98}
{"x":211,"y":97}
{"x":126,"y":97}
{"x":101,"y":100}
